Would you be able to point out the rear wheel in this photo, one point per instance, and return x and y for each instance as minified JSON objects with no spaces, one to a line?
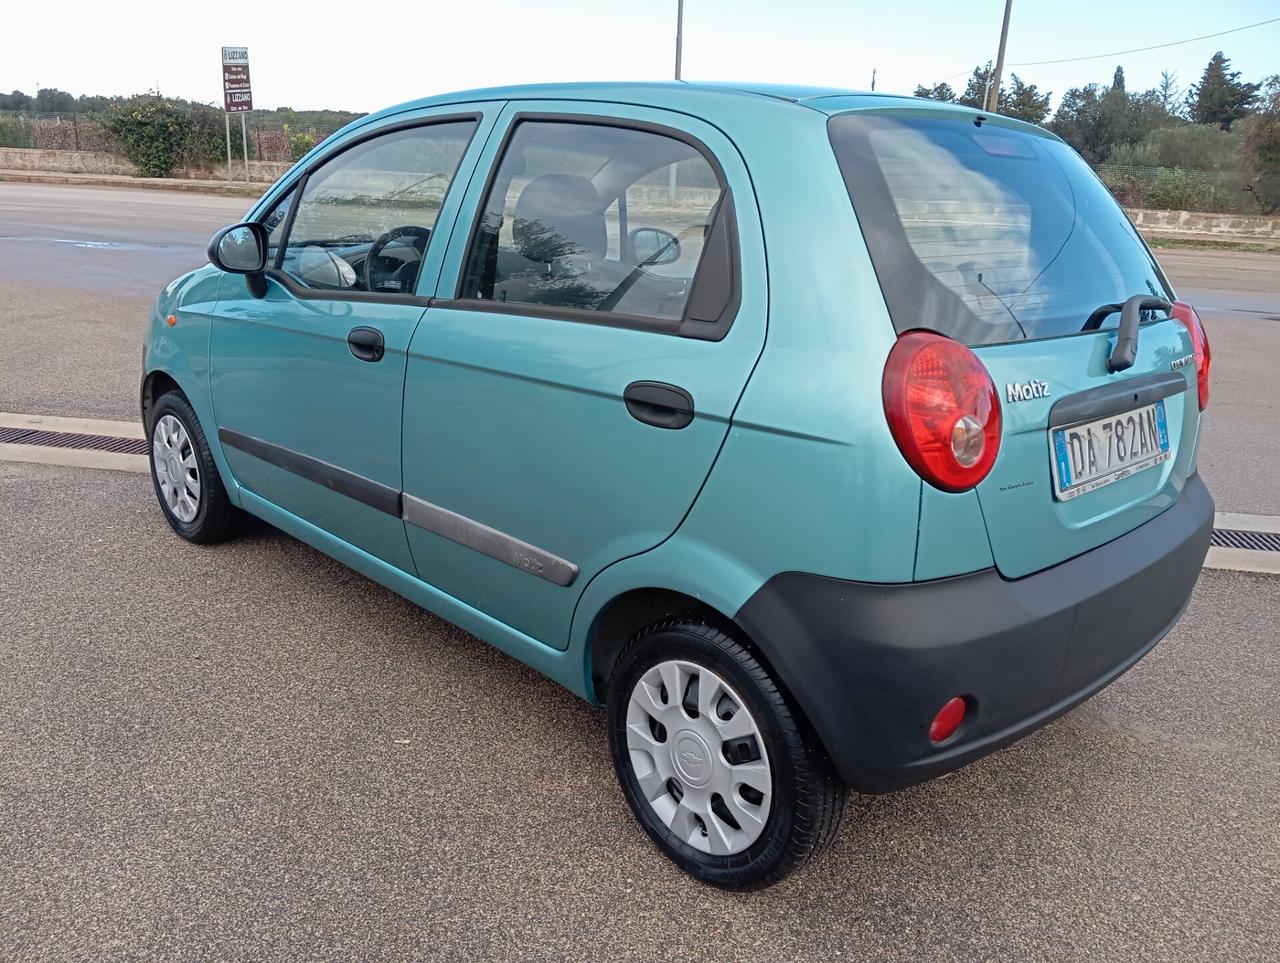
{"x":186,"y":479}
{"x":719,"y":771}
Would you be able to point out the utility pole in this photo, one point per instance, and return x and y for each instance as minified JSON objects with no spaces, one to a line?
{"x":873,"y":80}
{"x":679,"y":34}
{"x":993,"y":92}
{"x":671,"y":176}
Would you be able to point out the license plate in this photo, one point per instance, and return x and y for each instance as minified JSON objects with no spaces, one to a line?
{"x":1093,"y":454}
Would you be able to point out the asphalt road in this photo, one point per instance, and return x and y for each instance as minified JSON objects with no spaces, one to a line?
{"x":79,"y":271}
{"x":251,"y":753}
{"x":248,"y":752}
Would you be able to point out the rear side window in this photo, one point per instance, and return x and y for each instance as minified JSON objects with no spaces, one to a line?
{"x":605,"y":219}
{"x":986,"y":234}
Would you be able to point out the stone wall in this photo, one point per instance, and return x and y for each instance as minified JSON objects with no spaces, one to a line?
{"x":93,"y":162}
{"x":1187,"y":222}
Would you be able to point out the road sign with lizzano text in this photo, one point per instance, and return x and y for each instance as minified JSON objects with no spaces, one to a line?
{"x":237,"y":95}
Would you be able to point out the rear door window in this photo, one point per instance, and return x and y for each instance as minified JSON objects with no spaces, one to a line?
{"x":985,"y":233}
{"x":599,"y":221}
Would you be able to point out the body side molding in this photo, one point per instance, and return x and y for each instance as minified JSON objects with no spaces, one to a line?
{"x":488,"y":541}
{"x":365,"y":490}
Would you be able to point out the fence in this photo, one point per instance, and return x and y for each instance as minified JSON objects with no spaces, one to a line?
{"x":268,"y":141}
{"x":1175,"y":189}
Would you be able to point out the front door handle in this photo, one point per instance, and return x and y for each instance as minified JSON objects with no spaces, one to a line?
{"x":366,"y":344}
{"x":658,"y":404}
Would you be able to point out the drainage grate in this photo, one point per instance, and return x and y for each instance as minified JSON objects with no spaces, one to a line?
{"x":64,"y":439}
{"x":1234,"y":538}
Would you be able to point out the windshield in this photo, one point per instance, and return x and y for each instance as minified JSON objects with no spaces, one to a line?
{"x":983,"y":233}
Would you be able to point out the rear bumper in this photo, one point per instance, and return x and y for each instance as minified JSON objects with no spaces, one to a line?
{"x":871,"y":664}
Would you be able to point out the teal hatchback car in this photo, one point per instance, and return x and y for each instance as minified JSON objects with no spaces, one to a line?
{"x":826,"y":439}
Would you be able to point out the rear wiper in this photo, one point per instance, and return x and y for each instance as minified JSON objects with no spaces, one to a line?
{"x":1125,"y":352}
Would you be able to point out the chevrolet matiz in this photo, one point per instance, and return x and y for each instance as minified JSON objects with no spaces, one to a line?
{"x":825,"y":439}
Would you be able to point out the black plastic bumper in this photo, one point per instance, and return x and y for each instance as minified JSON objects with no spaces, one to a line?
{"x":871,"y":664}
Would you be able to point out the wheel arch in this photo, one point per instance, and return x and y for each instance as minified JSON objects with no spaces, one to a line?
{"x":154,"y":384}
{"x":623,"y":616}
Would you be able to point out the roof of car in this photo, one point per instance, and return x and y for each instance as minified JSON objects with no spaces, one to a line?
{"x":699,"y":98}
{"x":670,"y":93}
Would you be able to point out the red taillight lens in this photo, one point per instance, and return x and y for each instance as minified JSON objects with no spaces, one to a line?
{"x":948,"y":720}
{"x":942,"y":409}
{"x":1199,"y":344}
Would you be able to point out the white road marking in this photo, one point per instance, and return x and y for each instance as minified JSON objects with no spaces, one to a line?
{"x":75,"y":458}
{"x":83,"y":426}
{"x":1243,"y":560}
{"x":1247,"y":523}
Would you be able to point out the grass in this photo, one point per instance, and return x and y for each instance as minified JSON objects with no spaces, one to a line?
{"x":1196,"y":244}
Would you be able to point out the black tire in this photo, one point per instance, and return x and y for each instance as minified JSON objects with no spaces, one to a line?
{"x":808,"y":796}
{"x":216,"y":518}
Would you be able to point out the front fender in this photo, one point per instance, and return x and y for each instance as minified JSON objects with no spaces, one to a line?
{"x":181,"y":352}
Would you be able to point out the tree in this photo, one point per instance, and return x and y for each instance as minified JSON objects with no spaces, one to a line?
{"x":1168,"y":94}
{"x":1195,"y":147}
{"x":1024,"y":101}
{"x":53,"y":100}
{"x":1260,"y":149}
{"x":1020,"y":100}
{"x":975,"y":91}
{"x":1078,"y":121}
{"x":1094,"y":119}
{"x":1220,"y":98}
{"x":15,"y":101}
{"x":936,"y":92}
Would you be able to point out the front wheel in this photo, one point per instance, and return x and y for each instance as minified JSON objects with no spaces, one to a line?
{"x":721,"y":774}
{"x":185,"y":475}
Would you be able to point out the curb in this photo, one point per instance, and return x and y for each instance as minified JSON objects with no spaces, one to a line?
{"x":133,"y":183}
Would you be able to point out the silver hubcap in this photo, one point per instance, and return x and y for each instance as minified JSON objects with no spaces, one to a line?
{"x":177,"y":470}
{"x":699,"y":757}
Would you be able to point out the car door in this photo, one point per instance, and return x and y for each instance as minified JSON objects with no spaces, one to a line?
{"x":307,"y":381}
{"x":564,"y":406}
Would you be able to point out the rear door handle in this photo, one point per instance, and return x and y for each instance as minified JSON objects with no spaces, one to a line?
{"x":366,"y":344}
{"x":658,"y":404}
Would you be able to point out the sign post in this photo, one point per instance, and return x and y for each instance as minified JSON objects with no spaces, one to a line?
{"x":237,"y":98}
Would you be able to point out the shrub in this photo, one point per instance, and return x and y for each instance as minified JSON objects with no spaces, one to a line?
{"x":206,"y":140}
{"x":15,"y":132}
{"x":299,"y":142}
{"x":152,"y":132}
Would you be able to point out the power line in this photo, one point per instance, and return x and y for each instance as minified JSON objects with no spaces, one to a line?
{"x":1159,"y":46}
{"x":1119,"y":53}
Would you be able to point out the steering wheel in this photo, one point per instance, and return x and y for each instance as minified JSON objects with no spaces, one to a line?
{"x":372,"y":281}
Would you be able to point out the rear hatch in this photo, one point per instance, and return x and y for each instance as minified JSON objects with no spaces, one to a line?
{"x":996,"y":234}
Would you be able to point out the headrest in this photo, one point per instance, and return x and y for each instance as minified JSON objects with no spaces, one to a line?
{"x":557,"y":216}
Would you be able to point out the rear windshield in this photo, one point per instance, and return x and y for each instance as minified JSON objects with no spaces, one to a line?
{"x":984,"y":233}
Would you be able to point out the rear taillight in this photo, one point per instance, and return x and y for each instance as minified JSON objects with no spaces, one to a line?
{"x":1199,"y":345}
{"x":942,"y":409}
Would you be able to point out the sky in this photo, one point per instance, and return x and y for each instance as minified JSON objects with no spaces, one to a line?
{"x":318,"y":54}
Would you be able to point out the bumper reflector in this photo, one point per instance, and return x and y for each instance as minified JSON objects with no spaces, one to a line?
{"x":948,"y":720}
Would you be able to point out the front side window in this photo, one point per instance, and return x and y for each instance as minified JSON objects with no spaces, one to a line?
{"x":364,"y":218}
{"x":275,"y":223}
{"x":594,"y":218}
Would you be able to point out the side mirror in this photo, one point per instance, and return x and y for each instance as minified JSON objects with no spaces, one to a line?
{"x":242,"y":249}
{"x":652,"y":245}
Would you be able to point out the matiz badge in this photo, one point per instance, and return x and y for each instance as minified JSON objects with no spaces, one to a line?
{"x":1025,"y":390}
